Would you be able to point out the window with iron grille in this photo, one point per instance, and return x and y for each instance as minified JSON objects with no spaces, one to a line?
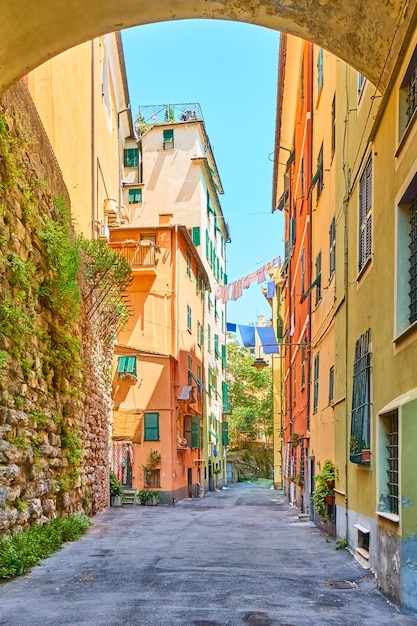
{"x":408,"y":95}
{"x":389,"y":496}
{"x":413,"y":263}
{"x":360,"y":432}
{"x":316,"y":383}
{"x":365,"y":216}
{"x":332,"y":247}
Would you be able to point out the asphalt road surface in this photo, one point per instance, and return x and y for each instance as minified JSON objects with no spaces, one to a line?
{"x":238,"y":557}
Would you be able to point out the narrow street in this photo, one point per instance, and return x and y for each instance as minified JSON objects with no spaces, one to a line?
{"x":236,"y":557}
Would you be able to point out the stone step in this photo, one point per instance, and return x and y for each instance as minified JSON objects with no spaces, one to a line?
{"x":129,"y":496}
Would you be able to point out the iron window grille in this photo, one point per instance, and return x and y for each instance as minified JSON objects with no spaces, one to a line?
{"x":360,"y":434}
{"x":316,"y":382}
{"x":413,"y":263}
{"x":392,"y":462}
{"x":332,"y":246}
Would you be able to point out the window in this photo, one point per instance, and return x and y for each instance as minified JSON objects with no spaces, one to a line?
{"x":365,"y":216}
{"x":189,"y":319}
{"x":131,"y":157}
{"x":302,"y":271}
{"x":303,"y":367}
{"x":389,"y":495}
{"x":360,"y":432}
{"x":408,"y":95}
{"x":361,"y":83}
{"x":316,"y":383}
{"x":190,"y":369}
{"x":318,"y":278}
{"x":126,"y":368}
{"x":331,"y":385}
{"x":225,"y":433}
{"x":225,"y":396}
{"x":208,"y":338}
{"x":195,"y":235}
{"x":192,"y":430}
{"x":188,"y":261}
{"x":406,"y":253}
{"x":216,"y":346}
{"x":320,"y":70}
{"x":302,"y":176}
{"x":332,"y":247}
{"x":135,"y":196}
{"x":153,"y":478}
{"x":224,"y":356}
{"x":295,"y":383}
{"x":334,"y":125}
{"x":318,"y":176}
{"x":168,"y":139}
{"x":201,"y":335}
{"x":151,"y":427}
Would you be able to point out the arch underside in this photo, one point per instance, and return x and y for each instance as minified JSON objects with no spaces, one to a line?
{"x":367,"y":34}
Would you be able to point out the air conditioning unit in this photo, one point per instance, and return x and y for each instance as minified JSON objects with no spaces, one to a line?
{"x":104,"y":232}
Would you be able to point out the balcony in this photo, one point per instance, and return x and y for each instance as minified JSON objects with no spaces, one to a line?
{"x":141,"y":255}
{"x":162,"y":114}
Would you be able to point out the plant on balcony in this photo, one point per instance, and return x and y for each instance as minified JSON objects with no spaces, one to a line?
{"x":323,"y":493}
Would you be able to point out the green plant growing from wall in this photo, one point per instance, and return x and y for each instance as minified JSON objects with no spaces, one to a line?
{"x":324,"y":486}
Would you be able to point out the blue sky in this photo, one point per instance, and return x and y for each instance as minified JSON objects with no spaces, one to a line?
{"x":230,"y":69}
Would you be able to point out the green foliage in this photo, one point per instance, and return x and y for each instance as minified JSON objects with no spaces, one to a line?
{"x":10,"y":169}
{"x":3,"y":359}
{"x":324,"y":487}
{"x":146,"y":495}
{"x":115,"y":485}
{"x":39,"y":416}
{"x":61,"y":253}
{"x":341,"y":544}
{"x":250,"y":394}
{"x":71,"y":444}
{"x":21,"y":273}
{"x":18,"y":402}
{"x":20,"y":552}
{"x":20,"y":505}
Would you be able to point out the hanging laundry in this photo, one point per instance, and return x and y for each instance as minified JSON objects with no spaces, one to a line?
{"x":248,"y":335}
{"x":231,"y":328}
{"x":271,"y":290}
{"x":268,"y":339}
{"x":261,"y":275}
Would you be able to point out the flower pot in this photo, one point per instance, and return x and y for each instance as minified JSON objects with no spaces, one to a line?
{"x":329,"y":499}
{"x":115,"y":500}
{"x":366,"y":456}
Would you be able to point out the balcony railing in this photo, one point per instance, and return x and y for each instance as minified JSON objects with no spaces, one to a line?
{"x":154,"y":115}
{"x":139,"y":255}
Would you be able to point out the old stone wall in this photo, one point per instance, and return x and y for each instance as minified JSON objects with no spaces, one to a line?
{"x":54,"y":365}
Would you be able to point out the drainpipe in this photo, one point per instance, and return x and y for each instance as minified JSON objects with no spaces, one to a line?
{"x":346,"y":295}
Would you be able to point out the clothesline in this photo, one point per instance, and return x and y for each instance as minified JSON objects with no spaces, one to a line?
{"x":233,"y":291}
{"x":266,"y":335}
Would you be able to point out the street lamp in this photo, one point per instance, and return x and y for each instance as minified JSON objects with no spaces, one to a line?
{"x":259,"y":363}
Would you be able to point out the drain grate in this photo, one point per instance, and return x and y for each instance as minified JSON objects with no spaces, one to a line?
{"x":342,"y":584}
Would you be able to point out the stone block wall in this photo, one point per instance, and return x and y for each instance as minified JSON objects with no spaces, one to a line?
{"x":55,"y":402}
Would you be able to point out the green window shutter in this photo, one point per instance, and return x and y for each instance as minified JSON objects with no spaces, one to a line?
{"x":224,"y":357}
{"x":216,"y":345}
{"x":195,"y":432}
{"x":121,"y":364}
{"x":225,"y":433}
{"x":135,"y":196}
{"x":207,"y":245}
{"x":201,"y":335}
{"x":189,"y":318}
{"x":131,"y":365}
{"x":151,"y":427}
{"x":225,"y":394}
{"x":225,"y":279}
{"x":131,"y":157}
{"x":196,"y":235}
{"x":208,"y":338}
{"x":168,"y":138}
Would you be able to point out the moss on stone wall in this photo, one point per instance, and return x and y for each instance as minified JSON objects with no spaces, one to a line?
{"x":55,"y":403}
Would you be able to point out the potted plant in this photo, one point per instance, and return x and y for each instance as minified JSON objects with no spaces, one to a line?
{"x":323,"y":494}
{"x":148,"y":497}
{"x":115,"y":490}
{"x":295,"y":440}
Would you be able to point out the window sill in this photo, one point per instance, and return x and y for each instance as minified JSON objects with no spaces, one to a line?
{"x":392,"y":517}
{"x":363,"y":269}
{"x":406,"y":333}
{"x":363,"y":553}
{"x":406,"y":134}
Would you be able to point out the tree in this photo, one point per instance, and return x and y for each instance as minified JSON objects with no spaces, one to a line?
{"x":250,"y":394}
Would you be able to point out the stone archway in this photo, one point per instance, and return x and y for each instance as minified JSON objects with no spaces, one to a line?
{"x":368,"y":35}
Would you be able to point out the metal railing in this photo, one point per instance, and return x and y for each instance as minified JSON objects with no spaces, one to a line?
{"x":138,"y":255}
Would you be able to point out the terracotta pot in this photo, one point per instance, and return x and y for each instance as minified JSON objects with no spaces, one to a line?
{"x":329,"y":499}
